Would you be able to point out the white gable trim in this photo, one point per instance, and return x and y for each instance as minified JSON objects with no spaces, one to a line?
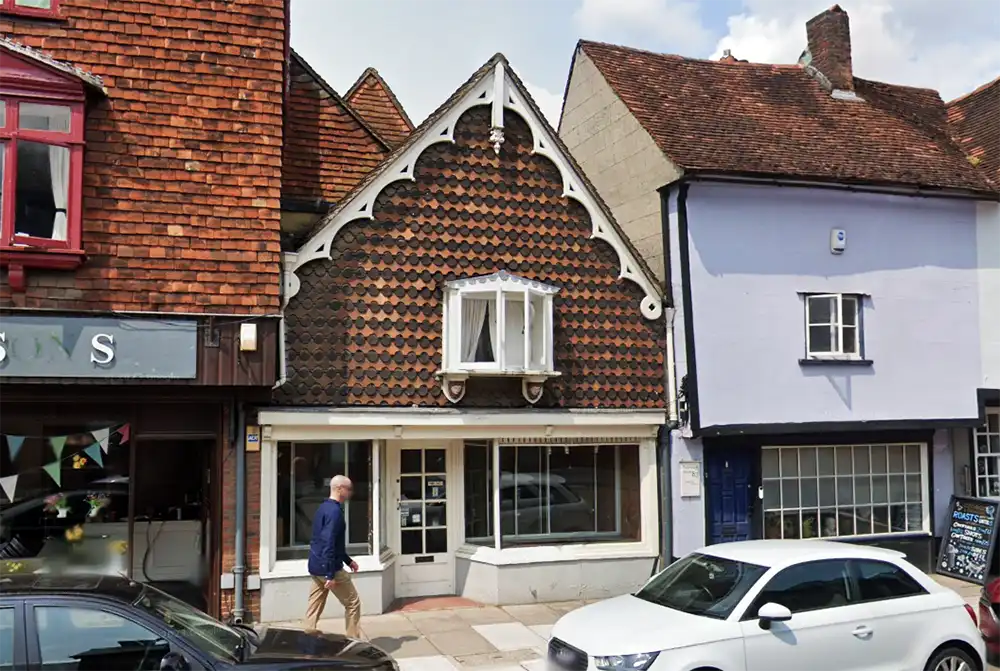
{"x":484,"y":92}
{"x":500,"y":279}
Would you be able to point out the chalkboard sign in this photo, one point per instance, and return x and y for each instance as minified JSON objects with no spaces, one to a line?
{"x":967,"y":547}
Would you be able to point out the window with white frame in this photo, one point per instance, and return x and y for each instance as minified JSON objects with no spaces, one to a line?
{"x":833,"y":326}
{"x":986,"y":449}
{"x":551,"y":494}
{"x":304,"y":471}
{"x":498,"y":323}
{"x":844,"y":490}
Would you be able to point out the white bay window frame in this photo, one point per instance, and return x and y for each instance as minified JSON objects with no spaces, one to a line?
{"x":499,"y":288}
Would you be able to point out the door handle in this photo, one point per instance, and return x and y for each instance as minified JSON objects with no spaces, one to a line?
{"x":862,"y":632}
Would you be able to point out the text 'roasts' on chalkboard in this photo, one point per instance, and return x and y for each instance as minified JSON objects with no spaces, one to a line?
{"x":967,"y":547}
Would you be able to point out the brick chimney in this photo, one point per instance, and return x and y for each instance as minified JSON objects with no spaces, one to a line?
{"x":829,"y":36}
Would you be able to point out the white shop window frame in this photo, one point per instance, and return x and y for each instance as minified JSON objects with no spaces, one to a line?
{"x":986,"y":453}
{"x":557,"y":538}
{"x":496,"y":287}
{"x":649,"y":511}
{"x":925,"y":528}
{"x":270,"y":565}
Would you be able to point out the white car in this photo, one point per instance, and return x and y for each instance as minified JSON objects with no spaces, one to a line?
{"x":776,"y":605}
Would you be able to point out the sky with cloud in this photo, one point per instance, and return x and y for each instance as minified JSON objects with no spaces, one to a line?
{"x":425,"y":49}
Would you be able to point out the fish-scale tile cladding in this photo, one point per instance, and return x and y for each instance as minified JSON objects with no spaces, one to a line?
{"x":365,"y":327}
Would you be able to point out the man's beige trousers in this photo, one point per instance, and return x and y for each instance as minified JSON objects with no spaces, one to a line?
{"x":343,"y":589}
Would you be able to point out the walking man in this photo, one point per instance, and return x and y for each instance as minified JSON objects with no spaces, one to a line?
{"x":328,"y":560}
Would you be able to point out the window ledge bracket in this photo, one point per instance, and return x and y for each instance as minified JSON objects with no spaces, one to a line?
{"x":17,"y":259}
{"x":454,"y":382}
{"x":836,"y":362}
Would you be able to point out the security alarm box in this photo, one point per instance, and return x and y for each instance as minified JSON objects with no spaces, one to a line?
{"x":838,"y":241}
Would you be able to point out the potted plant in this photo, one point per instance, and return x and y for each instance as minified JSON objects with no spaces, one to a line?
{"x":97,"y":501}
{"x":57,"y":503}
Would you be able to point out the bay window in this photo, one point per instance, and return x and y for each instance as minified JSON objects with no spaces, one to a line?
{"x":41,"y":166}
{"x":304,"y":471}
{"x":38,"y":146}
{"x":986,"y":449}
{"x":498,"y":324}
{"x":551,"y":494}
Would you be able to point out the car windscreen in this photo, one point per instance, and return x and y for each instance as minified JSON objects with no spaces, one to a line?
{"x":197,"y":628}
{"x":701,"y":584}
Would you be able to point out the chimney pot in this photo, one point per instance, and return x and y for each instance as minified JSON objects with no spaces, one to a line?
{"x":829,"y":43}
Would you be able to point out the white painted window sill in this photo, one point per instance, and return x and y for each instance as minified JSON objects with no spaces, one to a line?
{"x":298,"y":568}
{"x":543,"y":554}
{"x":496,"y":372}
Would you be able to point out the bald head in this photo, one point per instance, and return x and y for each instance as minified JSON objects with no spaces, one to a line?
{"x":340,"y":488}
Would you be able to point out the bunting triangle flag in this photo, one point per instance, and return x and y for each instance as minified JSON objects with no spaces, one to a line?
{"x":55,"y":472}
{"x":14,"y":444}
{"x":58,"y":443}
{"x":94,"y":452}
{"x":9,"y":485}
{"x":101,"y":436}
{"x":123,"y":432}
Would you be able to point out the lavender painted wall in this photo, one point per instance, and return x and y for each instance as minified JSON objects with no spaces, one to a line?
{"x":753,"y":249}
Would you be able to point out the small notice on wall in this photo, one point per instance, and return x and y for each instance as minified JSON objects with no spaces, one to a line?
{"x":967,"y":549}
{"x":690,"y":479}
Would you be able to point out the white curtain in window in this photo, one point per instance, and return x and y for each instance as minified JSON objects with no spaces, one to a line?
{"x":473,"y":316}
{"x":59,"y":172}
{"x":494,"y":338}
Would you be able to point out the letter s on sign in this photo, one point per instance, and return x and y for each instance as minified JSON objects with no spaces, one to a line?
{"x":103,"y":344}
{"x":3,"y":350}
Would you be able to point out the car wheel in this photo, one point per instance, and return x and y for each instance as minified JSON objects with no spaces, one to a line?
{"x":951,"y":659}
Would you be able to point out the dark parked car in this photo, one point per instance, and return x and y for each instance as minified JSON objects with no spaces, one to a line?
{"x":989,"y":619}
{"x":91,"y":623}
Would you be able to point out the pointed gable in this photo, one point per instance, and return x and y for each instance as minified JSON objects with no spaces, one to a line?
{"x":974,"y":122}
{"x":372,"y":98}
{"x":484,"y":186}
{"x":328,"y":148}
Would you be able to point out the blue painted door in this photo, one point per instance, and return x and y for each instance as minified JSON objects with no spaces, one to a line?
{"x":732,"y":492}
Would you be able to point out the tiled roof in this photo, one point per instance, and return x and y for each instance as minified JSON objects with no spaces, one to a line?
{"x":375,"y":101}
{"x":181,"y":173}
{"x":440,"y":113}
{"x":365,"y":327}
{"x":974,"y":120}
{"x":44,"y":59}
{"x":778,"y":121}
{"x":328,"y":147}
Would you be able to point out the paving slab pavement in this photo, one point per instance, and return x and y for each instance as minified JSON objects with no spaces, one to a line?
{"x":469,"y":636}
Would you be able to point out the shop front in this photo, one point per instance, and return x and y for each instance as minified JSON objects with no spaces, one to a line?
{"x":501,"y":507}
{"x":890,"y":489}
{"x":113,"y":434}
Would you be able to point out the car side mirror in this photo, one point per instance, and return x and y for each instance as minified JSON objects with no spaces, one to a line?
{"x":772,"y":612}
{"x":174,"y":661}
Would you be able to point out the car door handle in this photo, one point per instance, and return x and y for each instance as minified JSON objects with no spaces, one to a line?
{"x":862,"y":632}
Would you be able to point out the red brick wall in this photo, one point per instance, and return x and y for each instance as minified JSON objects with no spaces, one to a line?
{"x":183,"y":159}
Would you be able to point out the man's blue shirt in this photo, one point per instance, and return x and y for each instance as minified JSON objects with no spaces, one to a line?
{"x":327,"y":549}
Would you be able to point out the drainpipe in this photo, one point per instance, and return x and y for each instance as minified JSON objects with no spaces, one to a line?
{"x":282,"y":364}
{"x":239,"y":565}
{"x":664,"y":453}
